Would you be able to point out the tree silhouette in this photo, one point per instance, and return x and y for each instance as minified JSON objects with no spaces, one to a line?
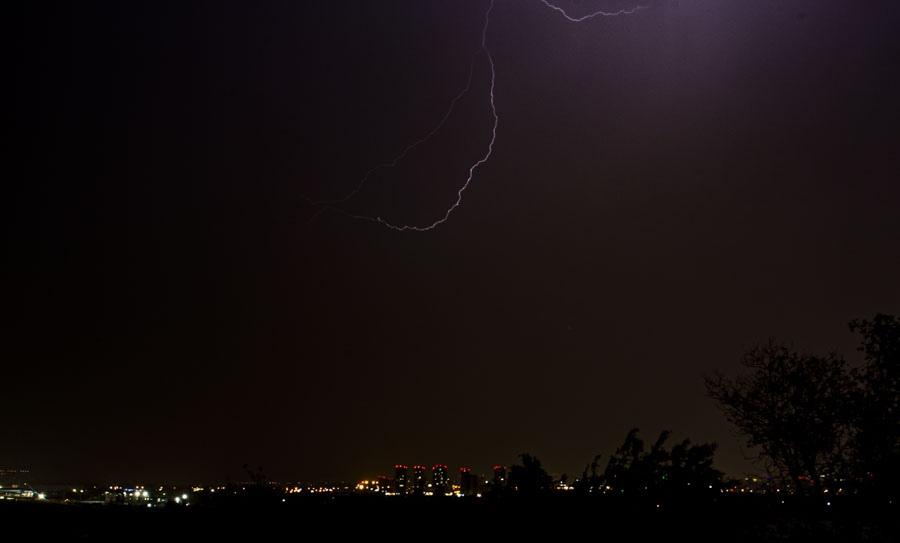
{"x":623,"y":471}
{"x":793,"y":408}
{"x":591,"y":480}
{"x":529,"y":478}
{"x":684,"y":470}
{"x":813,"y":419}
{"x":876,"y":451}
{"x":257,"y":477}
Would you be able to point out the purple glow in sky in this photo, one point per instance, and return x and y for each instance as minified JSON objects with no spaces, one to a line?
{"x":331,"y":204}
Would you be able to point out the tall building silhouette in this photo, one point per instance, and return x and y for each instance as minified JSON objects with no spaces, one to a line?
{"x":468,"y":482}
{"x":401,"y":479}
{"x":499,"y":481}
{"x":419,"y":481}
{"x":440,"y":480}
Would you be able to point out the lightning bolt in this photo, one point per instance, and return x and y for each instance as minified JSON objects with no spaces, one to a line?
{"x":600,"y":13}
{"x":396,"y":160}
{"x":332,"y":204}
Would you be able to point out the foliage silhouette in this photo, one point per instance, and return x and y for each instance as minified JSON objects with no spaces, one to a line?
{"x":683,"y":470}
{"x":876,"y":444}
{"x":815,"y":421}
{"x":793,"y":408}
{"x":529,"y":478}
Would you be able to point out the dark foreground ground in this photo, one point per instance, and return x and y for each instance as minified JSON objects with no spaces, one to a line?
{"x":729,"y":520}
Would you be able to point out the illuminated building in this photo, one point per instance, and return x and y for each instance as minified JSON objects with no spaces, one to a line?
{"x":499,"y":481}
{"x":418,"y":480}
{"x":440,"y":480}
{"x":468,"y":482}
{"x":401,"y":479}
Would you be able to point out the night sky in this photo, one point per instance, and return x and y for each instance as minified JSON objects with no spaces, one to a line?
{"x":665,"y":189}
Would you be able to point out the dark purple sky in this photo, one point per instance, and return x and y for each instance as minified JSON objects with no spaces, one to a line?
{"x":665,"y":190}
